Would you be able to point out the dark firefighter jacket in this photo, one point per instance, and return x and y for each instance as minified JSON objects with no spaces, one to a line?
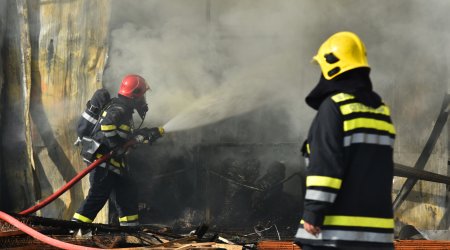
{"x":349,"y":177}
{"x":89,"y":118}
{"x":113,"y":131}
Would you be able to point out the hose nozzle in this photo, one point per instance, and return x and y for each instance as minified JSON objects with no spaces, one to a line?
{"x":161,"y":131}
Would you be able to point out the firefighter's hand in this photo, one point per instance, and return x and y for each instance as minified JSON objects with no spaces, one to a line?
{"x":154,"y":134}
{"x":141,"y":135}
{"x":139,"y":138}
{"x":314,"y":230}
{"x":148,"y":135}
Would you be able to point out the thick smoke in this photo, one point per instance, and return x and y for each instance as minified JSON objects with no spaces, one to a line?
{"x":209,"y":61}
{"x":240,"y":55}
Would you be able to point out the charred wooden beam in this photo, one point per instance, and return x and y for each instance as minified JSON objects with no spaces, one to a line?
{"x":410,"y":172}
{"x":425,"y":155}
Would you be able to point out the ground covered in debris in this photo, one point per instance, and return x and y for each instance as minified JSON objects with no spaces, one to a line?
{"x":139,"y":237}
{"x":101,"y":236}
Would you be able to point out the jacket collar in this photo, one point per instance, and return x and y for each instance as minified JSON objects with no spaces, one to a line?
{"x":127,"y":103}
{"x":356,"y":82}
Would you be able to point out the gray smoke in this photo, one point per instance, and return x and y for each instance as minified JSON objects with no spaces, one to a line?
{"x":247,"y":54}
{"x":205,"y":65}
{"x":210,"y":61}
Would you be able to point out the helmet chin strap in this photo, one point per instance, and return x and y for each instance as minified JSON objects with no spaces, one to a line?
{"x":143,"y":118}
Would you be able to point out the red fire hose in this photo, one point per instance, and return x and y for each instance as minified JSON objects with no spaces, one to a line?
{"x":68,"y":185}
{"x":72,"y":182}
{"x":41,"y":237}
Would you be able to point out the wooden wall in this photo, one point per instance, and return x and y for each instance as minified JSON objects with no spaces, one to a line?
{"x":55,"y":54}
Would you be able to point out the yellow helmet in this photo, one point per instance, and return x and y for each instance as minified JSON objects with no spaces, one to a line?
{"x":341,"y":52}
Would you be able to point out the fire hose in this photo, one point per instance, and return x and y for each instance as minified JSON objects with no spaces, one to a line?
{"x":67,"y":186}
{"x":41,"y":237}
{"x":159,"y":132}
{"x":78,"y":177}
{"x":35,"y":234}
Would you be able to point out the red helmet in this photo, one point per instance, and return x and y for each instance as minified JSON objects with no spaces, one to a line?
{"x":133,"y":86}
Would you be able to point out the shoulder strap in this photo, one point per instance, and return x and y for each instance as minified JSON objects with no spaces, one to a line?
{"x":109,"y":104}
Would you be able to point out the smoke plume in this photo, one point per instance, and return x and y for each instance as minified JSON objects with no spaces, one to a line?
{"x":241,"y":68}
{"x":210,"y":60}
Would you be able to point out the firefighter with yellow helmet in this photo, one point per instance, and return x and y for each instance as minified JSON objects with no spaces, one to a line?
{"x":348,"y":202}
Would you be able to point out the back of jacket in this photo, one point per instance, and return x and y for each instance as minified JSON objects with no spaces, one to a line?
{"x":349,"y":177}
{"x":114,"y":129}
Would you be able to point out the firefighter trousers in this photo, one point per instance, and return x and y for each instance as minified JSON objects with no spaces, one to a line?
{"x":107,"y":184}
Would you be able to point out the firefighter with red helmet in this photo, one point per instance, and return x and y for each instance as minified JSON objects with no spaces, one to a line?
{"x":113,"y":129}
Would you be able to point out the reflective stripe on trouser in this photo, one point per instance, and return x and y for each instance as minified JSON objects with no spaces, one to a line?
{"x":103,"y":185}
{"x":132,"y":220}
{"x":129,"y":223}
{"x":79,"y":217}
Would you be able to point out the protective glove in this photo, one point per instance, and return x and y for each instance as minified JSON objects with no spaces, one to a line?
{"x":148,"y":135}
{"x":141,"y":135}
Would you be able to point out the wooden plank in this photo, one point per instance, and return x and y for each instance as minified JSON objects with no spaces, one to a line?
{"x":17,"y":232}
{"x":195,"y":245}
{"x":11,"y":233}
{"x":228,"y":246}
{"x":169,"y":243}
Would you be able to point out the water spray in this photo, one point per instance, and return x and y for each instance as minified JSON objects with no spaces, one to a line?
{"x":225,"y":102}
{"x":246,"y":90}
